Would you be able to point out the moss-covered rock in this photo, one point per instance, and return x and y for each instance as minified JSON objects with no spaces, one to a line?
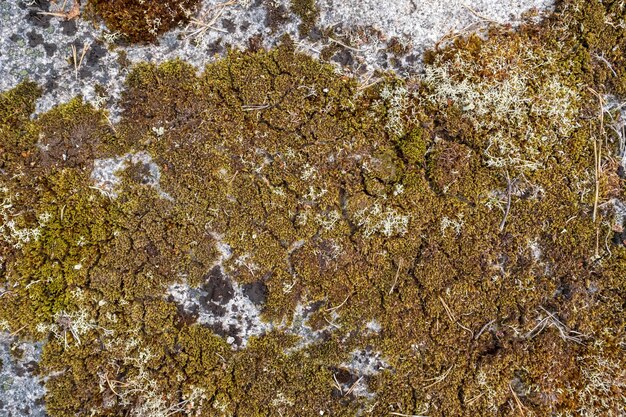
{"x":431,"y":246}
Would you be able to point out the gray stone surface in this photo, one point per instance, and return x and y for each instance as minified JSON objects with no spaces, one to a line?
{"x":21,"y":390}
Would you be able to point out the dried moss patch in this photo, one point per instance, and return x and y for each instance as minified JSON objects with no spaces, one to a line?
{"x":140,"y":20}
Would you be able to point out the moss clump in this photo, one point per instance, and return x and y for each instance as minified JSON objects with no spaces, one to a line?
{"x":308,"y":13}
{"x":595,"y":40}
{"x":425,"y":246}
{"x":143,"y":21}
{"x":18,"y":138}
{"x":413,"y":146}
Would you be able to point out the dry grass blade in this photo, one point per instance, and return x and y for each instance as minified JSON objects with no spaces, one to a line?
{"x":198,"y":26}
{"x":340,"y":305}
{"x":453,"y":318}
{"x":508,"y":200}
{"x":474,"y":399}
{"x":439,"y":379}
{"x":344,"y":45}
{"x":597,"y":152}
{"x":70,"y":14}
{"x":552,"y":321}
{"x":353,"y":387}
{"x":482,"y":330}
{"x":337,"y":384}
{"x":253,"y":107}
{"x":18,"y":331}
{"x":520,"y":406}
{"x":78,"y":62}
{"x":395,"y":280}
{"x":478,"y":15}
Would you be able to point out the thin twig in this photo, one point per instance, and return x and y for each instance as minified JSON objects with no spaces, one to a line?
{"x":395,"y":280}
{"x":336,"y":326}
{"x":78,"y":62}
{"x":352,"y":388}
{"x":478,"y":15}
{"x":340,"y":305}
{"x":202,"y":24}
{"x":508,"y":201}
{"x":111,"y":124}
{"x":365,"y":84}
{"x":564,"y":332}
{"x":482,"y":330}
{"x":252,"y":107}
{"x":597,"y":152}
{"x":72,"y":13}
{"x":474,"y":399}
{"x":520,"y":406}
{"x":82,"y":55}
{"x":453,"y":318}
{"x":106,"y":378}
{"x":608,"y":64}
{"x":344,"y":45}
{"x":18,"y":330}
{"x":448,"y":311}
{"x":439,"y":379}
{"x":337,"y":384}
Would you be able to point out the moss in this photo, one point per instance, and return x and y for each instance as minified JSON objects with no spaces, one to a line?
{"x":141,"y":21}
{"x":596,"y":40}
{"x":73,"y":133}
{"x":308,"y":13}
{"x":413,"y":146}
{"x":19,"y":103}
{"x":277,"y":14}
{"x":16,"y":105}
{"x":382,"y":222}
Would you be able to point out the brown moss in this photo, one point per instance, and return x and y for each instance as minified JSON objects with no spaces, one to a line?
{"x":143,"y":21}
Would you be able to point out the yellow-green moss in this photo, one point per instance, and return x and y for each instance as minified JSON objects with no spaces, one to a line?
{"x":308,"y":13}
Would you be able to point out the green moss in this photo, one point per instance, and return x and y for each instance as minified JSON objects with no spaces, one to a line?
{"x":596,"y":41}
{"x":16,"y":105}
{"x":413,"y":146}
{"x":19,"y":103}
{"x":391,"y":206}
{"x":308,"y":13}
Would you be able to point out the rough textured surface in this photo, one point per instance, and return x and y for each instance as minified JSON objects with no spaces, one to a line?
{"x":268,"y":237}
{"x":39,"y":47}
{"x":21,"y":390}
{"x":418,"y":23}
